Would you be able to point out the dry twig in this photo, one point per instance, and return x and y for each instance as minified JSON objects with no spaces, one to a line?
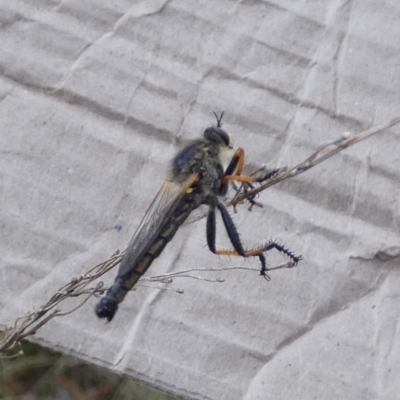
{"x":321,"y":154}
{"x":30,"y":322}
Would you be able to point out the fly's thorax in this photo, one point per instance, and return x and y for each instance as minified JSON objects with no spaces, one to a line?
{"x":209,"y":158}
{"x":211,"y":167}
{"x":187,"y":159}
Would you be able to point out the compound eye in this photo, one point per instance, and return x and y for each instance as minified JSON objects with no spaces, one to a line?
{"x":224,"y":136}
{"x":217,"y":135}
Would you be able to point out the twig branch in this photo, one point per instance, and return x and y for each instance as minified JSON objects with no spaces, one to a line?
{"x":321,"y":154}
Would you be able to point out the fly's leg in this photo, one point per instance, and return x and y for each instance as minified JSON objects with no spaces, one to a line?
{"x":238,"y":160}
{"x":247,"y":183}
{"x":233,"y":173}
{"x":237,"y":163}
{"x":238,"y":249}
{"x":269,"y":175}
{"x":264,"y":267}
{"x":235,"y":166}
{"x":232,"y":231}
{"x":248,"y":179}
{"x":274,"y":245}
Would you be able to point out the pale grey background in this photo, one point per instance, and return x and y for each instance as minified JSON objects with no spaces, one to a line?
{"x":96,"y":98}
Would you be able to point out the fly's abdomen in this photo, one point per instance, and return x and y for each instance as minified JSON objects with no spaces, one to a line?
{"x":108,"y":305}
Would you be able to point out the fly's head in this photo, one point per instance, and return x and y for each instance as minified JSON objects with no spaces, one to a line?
{"x":220,"y":138}
{"x":217,"y":135}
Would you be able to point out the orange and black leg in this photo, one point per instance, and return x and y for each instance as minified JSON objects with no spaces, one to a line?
{"x":233,"y":173}
{"x":238,"y":249}
{"x":235,"y":167}
{"x":249,"y":179}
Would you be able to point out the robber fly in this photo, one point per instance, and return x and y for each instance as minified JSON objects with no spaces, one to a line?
{"x":200,"y":174}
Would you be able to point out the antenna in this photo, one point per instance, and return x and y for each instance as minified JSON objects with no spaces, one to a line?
{"x":219,"y":119}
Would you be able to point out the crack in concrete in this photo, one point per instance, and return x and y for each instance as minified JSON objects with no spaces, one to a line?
{"x":110,"y":32}
{"x":343,"y":13}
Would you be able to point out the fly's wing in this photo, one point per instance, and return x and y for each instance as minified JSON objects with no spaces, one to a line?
{"x":168,"y":197}
{"x":196,"y":215}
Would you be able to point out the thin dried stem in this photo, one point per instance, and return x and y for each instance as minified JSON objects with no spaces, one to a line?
{"x":321,"y":154}
{"x":179,"y":291}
